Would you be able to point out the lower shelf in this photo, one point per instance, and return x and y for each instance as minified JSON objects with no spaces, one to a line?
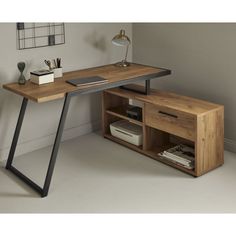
{"x":151,"y":153}
{"x":129,"y":145}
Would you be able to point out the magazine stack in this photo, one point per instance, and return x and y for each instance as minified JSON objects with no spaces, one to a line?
{"x":181,"y":154}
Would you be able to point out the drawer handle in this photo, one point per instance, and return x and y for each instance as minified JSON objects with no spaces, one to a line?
{"x":167,"y":114}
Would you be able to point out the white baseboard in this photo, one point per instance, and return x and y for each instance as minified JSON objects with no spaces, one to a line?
{"x":45,"y":141}
{"x":230,"y":145}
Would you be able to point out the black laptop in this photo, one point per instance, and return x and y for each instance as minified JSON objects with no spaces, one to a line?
{"x":86,"y":81}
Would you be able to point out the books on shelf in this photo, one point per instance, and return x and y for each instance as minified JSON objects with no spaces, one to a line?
{"x":181,"y":154}
{"x":42,"y":77}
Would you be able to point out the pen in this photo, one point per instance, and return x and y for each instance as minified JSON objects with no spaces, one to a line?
{"x":55,"y":64}
{"x":58,"y":62}
{"x":48,"y":63}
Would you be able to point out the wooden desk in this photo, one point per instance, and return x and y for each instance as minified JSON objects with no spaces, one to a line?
{"x":116,"y":76}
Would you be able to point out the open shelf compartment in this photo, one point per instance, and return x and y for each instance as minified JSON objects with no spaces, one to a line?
{"x":121,"y":113}
{"x":114,"y":109}
{"x":156,"y":141}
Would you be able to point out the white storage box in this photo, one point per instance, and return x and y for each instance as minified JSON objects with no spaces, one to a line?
{"x":57,"y":72}
{"x":41,"y":77}
{"x":127,"y":131}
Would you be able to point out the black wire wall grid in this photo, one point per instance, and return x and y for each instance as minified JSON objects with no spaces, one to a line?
{"x":35,"y":35}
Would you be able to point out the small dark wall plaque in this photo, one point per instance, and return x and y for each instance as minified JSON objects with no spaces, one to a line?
{"x":20,"y":26}
{"x":51,"y":40}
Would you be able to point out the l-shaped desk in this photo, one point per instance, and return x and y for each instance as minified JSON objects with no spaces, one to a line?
{"x":116,"y":76}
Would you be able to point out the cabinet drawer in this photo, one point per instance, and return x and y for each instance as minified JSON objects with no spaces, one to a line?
{"x":171,"y":121}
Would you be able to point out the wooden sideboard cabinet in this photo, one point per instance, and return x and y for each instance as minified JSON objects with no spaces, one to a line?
{"x":169,"y":119}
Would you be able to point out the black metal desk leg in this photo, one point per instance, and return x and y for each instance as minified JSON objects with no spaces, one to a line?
{"x":42,"y":191}
{"x":56,"y":146}
{"x":147,"y":87}
{"x":145,"y":92}
{"x":17,"y":133}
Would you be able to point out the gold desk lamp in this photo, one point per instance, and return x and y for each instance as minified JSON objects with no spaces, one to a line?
{"x":122,"y":40}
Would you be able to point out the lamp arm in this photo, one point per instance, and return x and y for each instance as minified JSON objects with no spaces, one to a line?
{"x":127,"y":48}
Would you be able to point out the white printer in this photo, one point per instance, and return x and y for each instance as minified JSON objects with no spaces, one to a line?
{"x":127,"y":131}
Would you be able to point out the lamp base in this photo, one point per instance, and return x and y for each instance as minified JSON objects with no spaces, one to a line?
{"x":122,"y":63}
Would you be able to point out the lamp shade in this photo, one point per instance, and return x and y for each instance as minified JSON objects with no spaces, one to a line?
{"x":121,"y":39}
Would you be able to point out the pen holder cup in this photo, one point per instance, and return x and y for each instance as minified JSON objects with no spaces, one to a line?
{"x":57,"y":72}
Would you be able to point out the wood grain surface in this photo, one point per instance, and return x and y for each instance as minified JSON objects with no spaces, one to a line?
{"x":171,"y":121}
{"x":170,"y":100}
{"x":209,"y":146}
{"x":58,"y":89}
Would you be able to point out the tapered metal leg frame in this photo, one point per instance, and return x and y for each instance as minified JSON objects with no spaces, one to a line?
{"x":17,"y":133}
{"x":56,"y":146}
{"x":42,"y":191}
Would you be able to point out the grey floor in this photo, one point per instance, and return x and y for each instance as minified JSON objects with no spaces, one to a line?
{"x":95,"y":175}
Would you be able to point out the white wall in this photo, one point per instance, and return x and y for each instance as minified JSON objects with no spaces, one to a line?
{"x":202,"y":58}
{"x":87,"y":45}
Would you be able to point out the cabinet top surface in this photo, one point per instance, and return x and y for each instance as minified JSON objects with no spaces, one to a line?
{"x":115,"y":76}
{"x":170,"y":100}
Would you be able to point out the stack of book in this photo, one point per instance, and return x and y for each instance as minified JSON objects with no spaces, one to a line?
{"x":42,"y":76}
{"x":181,"y":154}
